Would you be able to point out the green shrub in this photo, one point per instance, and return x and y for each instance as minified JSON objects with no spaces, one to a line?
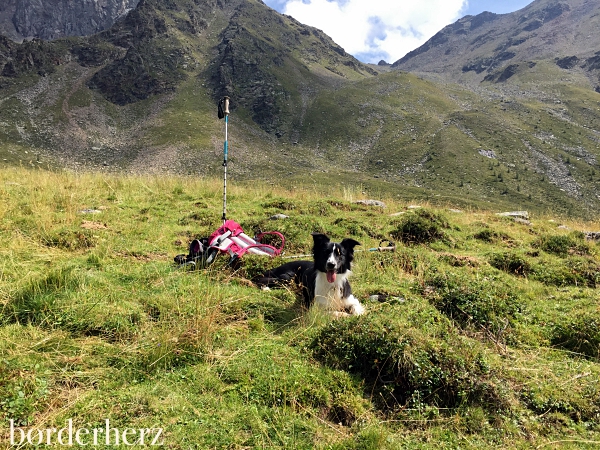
{"x":353,"y":227}
{"x":486,"y":235}
{"x":580,"y":335}
{"x":420,"y":227}
{"x":554,"y":404}
{"x":280,"y":204}
{"x":510,"y":262}
{"x":572,"y":271}
{"x":485,"y":302}
{"x":320,"y":208}
{"x":542,"y":403}
{"x":406,"y":367}
{"x":563,"y":245}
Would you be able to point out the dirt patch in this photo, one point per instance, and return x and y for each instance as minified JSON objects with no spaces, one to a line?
{"x":88,"y":225}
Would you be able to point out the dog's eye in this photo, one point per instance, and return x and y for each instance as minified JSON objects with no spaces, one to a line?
{"x":337,"y":251}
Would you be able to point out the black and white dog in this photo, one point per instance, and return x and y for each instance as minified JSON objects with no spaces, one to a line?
{"x":324,"y":281}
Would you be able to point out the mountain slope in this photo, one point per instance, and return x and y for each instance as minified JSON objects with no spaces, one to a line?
{"x":479,"y":46}
{"x":457,"y":145}
{"x":124,"y":79}
{"x":53,"y":19}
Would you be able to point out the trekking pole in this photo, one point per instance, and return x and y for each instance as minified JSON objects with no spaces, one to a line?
{"x":224,"y":113}
{"x":391,"y":247}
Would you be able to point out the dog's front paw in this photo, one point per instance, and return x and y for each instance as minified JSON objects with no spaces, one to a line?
{"x":357,"y":309}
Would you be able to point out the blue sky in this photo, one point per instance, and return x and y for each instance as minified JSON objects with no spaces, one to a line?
{"x":372,"y":30}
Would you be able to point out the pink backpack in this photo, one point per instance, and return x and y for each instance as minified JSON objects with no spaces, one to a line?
{"x":230,"y":238}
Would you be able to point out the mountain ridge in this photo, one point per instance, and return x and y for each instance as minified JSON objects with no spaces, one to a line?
{"x":477,"y":46}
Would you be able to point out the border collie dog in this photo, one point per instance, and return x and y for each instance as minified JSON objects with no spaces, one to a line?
{"x":324,"y":281}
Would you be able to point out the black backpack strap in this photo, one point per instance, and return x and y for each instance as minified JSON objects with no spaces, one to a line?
{"x":198,"y":251}
{"x":196,"y":248}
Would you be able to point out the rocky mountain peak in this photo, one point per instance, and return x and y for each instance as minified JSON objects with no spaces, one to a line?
{"x":477,"y":47}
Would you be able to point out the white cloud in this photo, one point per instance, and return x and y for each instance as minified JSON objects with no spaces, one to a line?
{"x":373,"y":30}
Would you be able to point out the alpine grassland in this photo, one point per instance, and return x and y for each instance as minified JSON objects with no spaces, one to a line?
{"x":481,"y":331}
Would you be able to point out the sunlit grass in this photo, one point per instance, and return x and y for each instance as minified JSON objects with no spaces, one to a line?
{"x":459,"y":350}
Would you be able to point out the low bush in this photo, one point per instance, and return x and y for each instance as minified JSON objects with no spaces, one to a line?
{"x":320,"y":208}
{"x":572,"y":271}
{"x":407,"y":367}
{"x":279,"y":204}
{"x":555,"y":404}
{"x":563,"y":245}
{"x":510,"y":262}
{"x":420,"y":227}
{"x":486,"y":235}
{"x":580,"y":335}
{"x":485,"y":302}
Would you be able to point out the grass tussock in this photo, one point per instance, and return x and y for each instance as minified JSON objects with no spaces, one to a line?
{"x":481,"y":332}
{"x":486,"y":303}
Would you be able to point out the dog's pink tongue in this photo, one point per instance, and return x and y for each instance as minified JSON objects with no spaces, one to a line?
{"x":331,"y":276}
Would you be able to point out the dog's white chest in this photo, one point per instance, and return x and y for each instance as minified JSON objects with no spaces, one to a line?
{"x":330,"y":296}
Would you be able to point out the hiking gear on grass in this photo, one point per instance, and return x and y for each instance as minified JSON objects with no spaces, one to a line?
{"x":230,"y":239}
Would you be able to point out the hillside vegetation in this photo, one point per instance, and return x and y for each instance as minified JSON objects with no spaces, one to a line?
{"x":483,"y":334}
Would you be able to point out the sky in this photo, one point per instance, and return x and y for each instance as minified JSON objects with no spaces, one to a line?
{"x":375,"y":30}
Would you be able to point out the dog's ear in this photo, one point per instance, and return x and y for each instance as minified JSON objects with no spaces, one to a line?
{"x":349,"y":244}
{"x":320,"y":239}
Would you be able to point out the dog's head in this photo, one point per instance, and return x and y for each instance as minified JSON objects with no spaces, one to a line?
{"x":332,"y":257}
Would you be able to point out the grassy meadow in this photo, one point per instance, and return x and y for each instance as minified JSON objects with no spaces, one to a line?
{"x":485,"y":332}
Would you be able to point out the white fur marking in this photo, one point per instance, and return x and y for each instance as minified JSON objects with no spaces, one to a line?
{"x":332,"y":260}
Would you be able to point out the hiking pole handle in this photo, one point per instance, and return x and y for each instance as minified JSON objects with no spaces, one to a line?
{"x":226,"y":105}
